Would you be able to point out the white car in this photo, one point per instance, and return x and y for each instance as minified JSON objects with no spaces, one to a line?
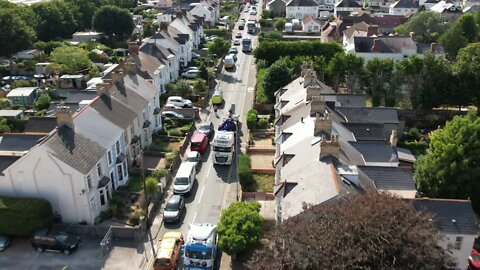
{"x":171,"y":106}
{"x":172,"y":114}
{"x":194,"y":157}
{"x":180,"y":102}
{"x":191,"y":74}
{"x":253,"y":12}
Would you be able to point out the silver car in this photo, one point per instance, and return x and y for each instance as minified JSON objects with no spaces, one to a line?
{"x":174,"y":209}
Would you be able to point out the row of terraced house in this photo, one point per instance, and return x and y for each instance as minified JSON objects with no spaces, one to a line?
{"x":77,"y":159}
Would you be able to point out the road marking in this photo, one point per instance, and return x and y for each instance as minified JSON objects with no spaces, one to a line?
{"x":201,"y":194}
{"x":194,"y":216}
{"x":250,"y":89}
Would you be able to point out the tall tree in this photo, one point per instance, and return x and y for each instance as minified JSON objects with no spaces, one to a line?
{"x":84,"y":11}
{"x":113,"y":21}
{"x":71,"y":59}
{"x":374,"y":231}
{"x":15,"y":33}
{"x":56,"y":20}
{"x":219,"y":47}
{"x":348,"y":69}
{"x":240,"y":226}
{"x":453,"y":40}
{"x":427,"y":26}
{"x":380,"y":81}
{"x":468,"y":26}
{"x":277,"y":75}
{"x":467,"y":67}
{"x":450,"y":168}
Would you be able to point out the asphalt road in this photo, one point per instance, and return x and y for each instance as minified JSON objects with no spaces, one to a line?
{"x":208,"y":195}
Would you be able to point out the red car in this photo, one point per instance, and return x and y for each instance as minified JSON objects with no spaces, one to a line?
{"x":474,"y":260}
{"x":199,"y":143}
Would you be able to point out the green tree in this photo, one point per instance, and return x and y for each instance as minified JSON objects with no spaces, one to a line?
{"x":453,"y":40}
{"x":380,"y":81}
{"x":374,"y":231}
{"x":5,"y":103}
{"x":467,"y":68}
{"x":240,"y":227}
{"x":114,"y":22}
{"x":71,"y":59}
{"x":278,"y":75}
{"x":273,"y":36}
{"x":199,"y":86}
{"x":55,"y":20}
{"x":4,"y":127}
{"x":183,"y":88}
{"x":219,"y":47}
{"x":348,"y":69}
{"x":450,"y":168}
{"x":151,"y":184}
{"x":43,"y":102}
{"x":280,"y":24}
{"x":16,"y":34}
{"x":83,"y":11}
{"x":203,"y":74}
{"x":468,"y":26}
{"x":427,"y":26}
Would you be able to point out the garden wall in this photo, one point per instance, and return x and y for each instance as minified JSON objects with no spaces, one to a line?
{"x":257,"y":196}
{"x":134,"y":233}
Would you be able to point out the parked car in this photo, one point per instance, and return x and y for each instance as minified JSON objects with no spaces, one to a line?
{"x":217,"y":97}
{"x":199,"y":142}
{"x":238,"y":35}
{"x":172,"y":114}
{"x":207,"y":129}
{"x":194,"y":156}
{"x":180,"y":102}
{"x":236,"y":42}
{"x":233,"y":50}
{"x":195,"y":55}
{"x":44,"y":239}
{"x":171,"y":106}
{"x":210,"y":38}
{"x":174,"y":209}
{"x":474,"y":260}
{"x":189,"y":68}
{"x":253,"y":12}
{"x":184,"y":179}
{"x":4,"y":242}
{"x":234,"y":56}
{"x":169,"y":252}
{"x":191,"y":74}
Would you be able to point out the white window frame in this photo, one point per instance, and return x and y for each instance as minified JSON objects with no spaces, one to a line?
{"x":109,"y":157}
{"x":117,"y":147}
{"x":89,"y":183}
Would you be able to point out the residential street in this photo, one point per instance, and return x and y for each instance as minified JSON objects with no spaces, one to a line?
{"x":216,"y":186}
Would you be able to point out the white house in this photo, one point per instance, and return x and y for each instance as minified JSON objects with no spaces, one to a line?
{"x":188,"y":24}
{"x":299,"y":9}
{"x":177,"y":43}
{"x":65,"y":168}
{"x":360,"y":29}
{"x":403,"y":7}
{"x":167,"y":68}
{"x":456,"y":220}
{"x":448,"y":10}
{"x":310,"y":25}
{"x":205,"y":11}
{"x":345,"y":5}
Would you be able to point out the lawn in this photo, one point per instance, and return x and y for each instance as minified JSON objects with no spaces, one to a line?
{"x":162,"y":145}
{"x":261,"y":96}
{"x":264,"y":182}
{"x":135,"y":183}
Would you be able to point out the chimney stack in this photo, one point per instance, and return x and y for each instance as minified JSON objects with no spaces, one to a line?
{"x":163,"y":26}
{"x":412,"y":35}
{"x":317,"y":105}
{"x":310,"y":78}
{"x":433,"y":47}
{"x":323,"y":123}
{"x":103,"y":88}
{"x":129,"y":66}
{"x":305,"y":68}
{"x":133,"y":48}
{"x":376,"y":45}
{"x":372,"y":30}
{"x":64,"y":117}
{"x":178,"y":14}
{"x":329,"y":148}
{"x":184,"y":12}
{"x":393,"y":138}
{"x":117,"y":75}
{"x":312,"y":91}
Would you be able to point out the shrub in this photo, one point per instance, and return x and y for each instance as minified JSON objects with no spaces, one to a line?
{"x":260,"y":95}
{"x":23,"y":216}
{"x":215,"y":32}
{"x":151,"y":184}
{"x":159,"y":173}
{"x":175,"y":132}
{"x":417,"y":148}
{"x":252,"y":117}
{"x":245,"y":173}
{"x":185,"y":128}
{"x":162,"y":131}
{"x":134,"y":217}
{"x":412,"y":135}
{"x":169,"y":157}
{"x":263,"y":123}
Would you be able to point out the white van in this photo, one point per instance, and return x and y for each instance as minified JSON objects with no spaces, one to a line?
{"x":229,"y":61}
{"x":183,"y":181}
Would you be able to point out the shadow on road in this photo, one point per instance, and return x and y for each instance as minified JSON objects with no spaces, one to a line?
{"x":193,"y":192}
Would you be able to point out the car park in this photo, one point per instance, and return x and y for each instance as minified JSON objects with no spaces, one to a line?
{"x":4,"y":242}
{"x":238,"y":35}
{"x":180,"y":102}
{"x":44,"y":239}
{"x":206,"y":128}
{"x":236,"y":42}
{"x":174,"y":209}
{"x":172,"y":115}
{"x":169,"y":252}
{"x":194,"y":156}
{"x":191,"y":74}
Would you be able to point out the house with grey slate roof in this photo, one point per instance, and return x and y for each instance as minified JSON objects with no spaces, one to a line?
{"x":456,"y":220}
{"x":403,"y":7}
{"x":299,"y":9}
{"x":323,"y":144}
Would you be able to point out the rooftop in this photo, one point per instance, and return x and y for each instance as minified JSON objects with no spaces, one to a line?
{"x":405,"y":4}
{"x":376,"y":151}
{"x":390,"y":178}
{"x":368,"y":115}
{"x":114,"y":110}
{"x":6,"y":161}
{"x":19,"y":142}
{"x":366,"y":131}
{"x":388,"y":44}
{"x":301,"y":3}
{"x":21,"y":91}
{"x":41,"y":124}
{"x":10,"y":113}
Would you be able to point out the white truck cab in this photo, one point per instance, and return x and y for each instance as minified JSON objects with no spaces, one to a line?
{"x":223,"y":147}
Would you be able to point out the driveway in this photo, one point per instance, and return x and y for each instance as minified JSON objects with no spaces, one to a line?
{"x":21,"y":255}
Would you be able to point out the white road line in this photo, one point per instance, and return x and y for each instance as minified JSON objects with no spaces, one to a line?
{"x":201,"y":194}
{"x":194,"y":216}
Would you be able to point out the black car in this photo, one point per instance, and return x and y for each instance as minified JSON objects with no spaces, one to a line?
{"x":207,"y":129}
{"x":174,"y":209}
{"x":44,"y":239}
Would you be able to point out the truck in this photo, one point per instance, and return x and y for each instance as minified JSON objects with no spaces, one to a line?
{"x":252,"y":24}
{"x":224,"y":142}
{"x":247,"y":44}
{"x":200,"y":246}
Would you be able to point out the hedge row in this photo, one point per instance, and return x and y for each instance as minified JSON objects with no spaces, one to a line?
{"x":216,"y":32}
{"x":245,"y":173}
{"x":23,"y":216}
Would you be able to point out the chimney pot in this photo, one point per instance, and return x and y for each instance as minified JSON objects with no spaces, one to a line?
{"x":317,"y":105}
{"x":376,"y":45}
{"x":133,"y":48}
{"x":163,"y":26}
{"x":117,"y":75}
{"x":393,"y":138}
{"x":102,"y":88}
{"x":64,"y":117}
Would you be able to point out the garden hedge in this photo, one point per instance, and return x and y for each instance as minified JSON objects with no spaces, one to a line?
{"x":23,"y":216}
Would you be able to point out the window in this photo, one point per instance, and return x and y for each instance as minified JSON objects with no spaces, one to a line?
{"x":102,"y":197}
{"x":125,"y":166}
{"x":109,"y":157}
{"x":92,"y":202}
{"x":117,"y":147}
{"x":120,"y":172}
{"x":99,"y":170}
{"x":89,"y":182}
{"x":458,"y":243}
